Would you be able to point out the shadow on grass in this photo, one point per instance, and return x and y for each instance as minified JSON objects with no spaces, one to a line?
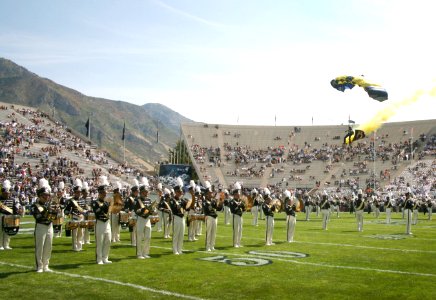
{"x":7,"y":274}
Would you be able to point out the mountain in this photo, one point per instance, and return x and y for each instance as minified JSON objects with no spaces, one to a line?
{"x":107,"y":117}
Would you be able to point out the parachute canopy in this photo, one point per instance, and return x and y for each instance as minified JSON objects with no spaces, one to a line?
{"x":375,"y":91}
{"x":354,"y":136}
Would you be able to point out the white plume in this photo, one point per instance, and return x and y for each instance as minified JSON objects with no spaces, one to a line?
{"x":61,"y":185}
{"x":159,"y":186}
{"x":179,"y":182}
{"x":192,"y":184}
{"x":7,"y":185}
{"x":85,"y":186}
{"x":135,"y":182}
{"x":102,"y":180}
{"x":166,"y":191}
{"x":266,"y":191}
{"x":207,"y":184}
{"x":144,"y":181}
{"x":237,"y":186}
{"x":287,"y":194}
{"x":119,"y":186}
{"x":198,"y":189}
{"x":78,"y":182}
{"x":254,"y":191}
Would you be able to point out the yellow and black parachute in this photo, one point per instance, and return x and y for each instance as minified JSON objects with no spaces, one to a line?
{"x":374,"y":90}
{"x":353,"y":136}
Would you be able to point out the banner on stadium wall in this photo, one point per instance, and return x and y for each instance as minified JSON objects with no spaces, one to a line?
{"x":169,"y":172}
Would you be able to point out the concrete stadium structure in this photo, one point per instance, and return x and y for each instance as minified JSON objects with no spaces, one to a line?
{"x":303,"y":156}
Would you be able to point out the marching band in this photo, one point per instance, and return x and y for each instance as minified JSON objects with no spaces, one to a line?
{"x":106,"y":214}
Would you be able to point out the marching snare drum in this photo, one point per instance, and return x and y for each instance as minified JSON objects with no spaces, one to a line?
{"x":11,"y":224}
{"x":124,"y":219}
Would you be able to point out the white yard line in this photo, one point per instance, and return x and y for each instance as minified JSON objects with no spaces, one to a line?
{"x":136,"y":286}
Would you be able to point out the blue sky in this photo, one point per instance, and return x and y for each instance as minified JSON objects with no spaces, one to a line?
{"x":230,"y":61}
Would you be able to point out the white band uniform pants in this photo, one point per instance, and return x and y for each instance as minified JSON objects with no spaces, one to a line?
{"x":269,"y":230}
{"x":211,"y":225}
{"x":291,"y":221}
{"x":103,"y":237}
{"x":143,"y":236}
{"x":43,"y":245}
{"x":359,"y":219}
{"x":237,"y":230}
{"x":178,"y":232}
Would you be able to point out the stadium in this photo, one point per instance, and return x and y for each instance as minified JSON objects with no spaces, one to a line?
{"x":327,"y":261}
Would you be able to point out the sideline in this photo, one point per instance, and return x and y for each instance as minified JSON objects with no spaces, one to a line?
{"x":136,"y":286}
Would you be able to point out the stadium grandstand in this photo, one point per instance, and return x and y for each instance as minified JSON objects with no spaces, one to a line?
{"x":309,"y":157}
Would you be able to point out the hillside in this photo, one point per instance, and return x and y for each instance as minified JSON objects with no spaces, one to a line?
{"x":107,"y":117}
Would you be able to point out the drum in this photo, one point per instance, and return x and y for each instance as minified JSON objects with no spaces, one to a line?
{"x":132,"y":224}
{"x":70,"y":225}
{"x":91,"y":224}
{"x":154,"y":219}
{"x":124,"y":219}
{"x":83,"y":224}
{"x":58,"y":221}
{"x":198,"y":217}
{"x":11,"y":224}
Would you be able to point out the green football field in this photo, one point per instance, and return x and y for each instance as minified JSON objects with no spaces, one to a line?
{"x":379,"y":263}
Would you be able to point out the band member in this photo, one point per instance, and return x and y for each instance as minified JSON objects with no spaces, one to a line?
{"x":268,"y":209}
{"x":192,"y":224}
{"x":102,"y":226}
{"x":210,"y":207}
{"x":43,"y":227}
{"x":118,"y":204}
{"x":76,"y":208}
{"x":164,"y":207}
{"x":325,"y":210}
{"x":143,"y":209}
{"x":237,"y":207}
{"x":89,"y":213}
{"x":291,"y":219}
{"x":359,"y":206}
{"x":416,"y":205}
{"x":307,"y":205}
{"x":226,"y":206}
{"x":429,"y":208}
{"x":199,"y":210}
{"x":408,"y":208}
{"x":256,"y":207}
{"x":129,"y":207}
{"x":388,"y":208}
{"x":61,"y":199}
{"x":160,"y":194}
{"x":8,"y":206}
{"x":178,"y":206}
{"x":376,"y":204}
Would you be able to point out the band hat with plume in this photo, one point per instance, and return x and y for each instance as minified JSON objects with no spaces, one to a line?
{"x":360,"y":192}
{"x":44,"y":187}
{"x":179,"y":184}
{"x":192,"y":184}
{"x":159,"y":186}
{"x":135,"y":186}
{"x":236,"y":188}
{"x":197,"y":190}
{"x":207,"y":186}
{"x":102,"y":183}
{"x":85,"y":186}
{"x":6,"y":186}
{"x":266,"y":192}
{"x":166,"y":192}
{"x":61,"y":186}
{"x":144,"y":185}
{"x":254,"y":191}
{"x":77,"y":185}
{"x":226,"y":192}
{"x":287,"y":194}
{"x":118,"y":187}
